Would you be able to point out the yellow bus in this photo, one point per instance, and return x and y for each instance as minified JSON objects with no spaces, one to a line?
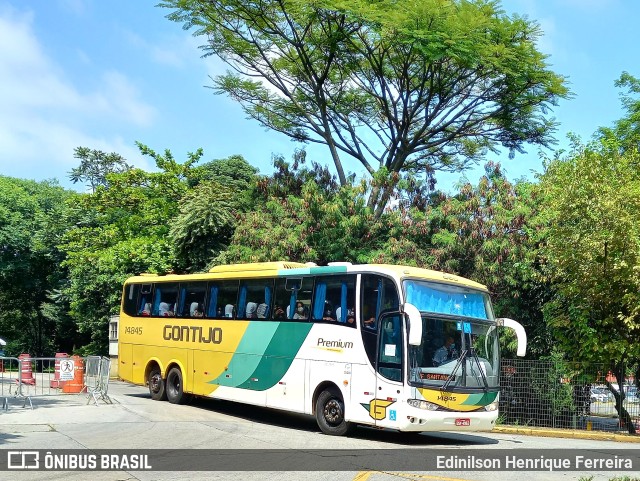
{"x":381,"y":345}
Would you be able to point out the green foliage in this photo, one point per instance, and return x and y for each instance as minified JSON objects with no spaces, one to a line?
{"x":121,"y":229}
{"x":31,"y":224}
{"x":302,"y":215}
{"x":431,"y":86}
{"x":490,"y":233}
{"x":625,"y":132}
{"x":95,"y":165}
{"x":553,"y":393}
{"x":234,"y":174}
{"x":592,"y":253}
{"x":203,"y":227}
{"x":175,"y":219}
{"x":312,"y":227}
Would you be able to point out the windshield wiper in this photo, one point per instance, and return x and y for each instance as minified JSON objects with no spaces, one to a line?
{"x":477,"y":360}
{"x":451,"y":377}
{"x":461,"y":359}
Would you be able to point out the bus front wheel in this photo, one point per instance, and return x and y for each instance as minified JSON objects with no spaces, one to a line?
{"x":156,"y":385}
{"x":330,"y":414}
{"x":175,"y":387}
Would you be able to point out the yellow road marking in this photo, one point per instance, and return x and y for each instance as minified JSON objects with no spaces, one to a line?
{"x":363,"y":475}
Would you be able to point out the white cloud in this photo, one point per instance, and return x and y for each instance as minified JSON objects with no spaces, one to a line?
{"x":44,"y":116}
{"x":176,"y":51}
{"x":120,"y":97}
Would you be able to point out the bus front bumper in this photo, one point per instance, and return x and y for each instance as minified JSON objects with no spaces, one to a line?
{"x":416,"y":420}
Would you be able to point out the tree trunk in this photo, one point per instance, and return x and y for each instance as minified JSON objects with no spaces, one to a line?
{"x":623,"y":415}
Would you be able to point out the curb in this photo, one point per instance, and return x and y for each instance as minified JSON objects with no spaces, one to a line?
{"x":568,"y":433}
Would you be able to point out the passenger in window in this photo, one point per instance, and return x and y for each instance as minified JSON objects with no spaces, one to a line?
{"x":350,"y":315}
{"x":193,"y":308}
{"x":229,"y":310}
{"x":147,"y":309}
{"x":278,"y":312}
{"x":369,"y":318}
{"x":328,"y":314}
{"x":261,"y":312}
{"x":251,"y":310}
{"x":198,"y":311}
{"x":445,"y":353}
{"x":301,"y":311}
{"x":351,"y":318}
{"x":165,"y":310}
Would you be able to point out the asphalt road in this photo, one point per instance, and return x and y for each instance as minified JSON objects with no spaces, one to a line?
{"x":134,"y":422}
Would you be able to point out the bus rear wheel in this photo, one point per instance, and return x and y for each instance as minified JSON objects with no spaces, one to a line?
{"x":175,"y":387}
{"x":156,"y":385}
{"x":330,"y":413}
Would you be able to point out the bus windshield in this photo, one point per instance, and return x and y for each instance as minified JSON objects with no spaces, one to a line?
{"x":459,"y":346}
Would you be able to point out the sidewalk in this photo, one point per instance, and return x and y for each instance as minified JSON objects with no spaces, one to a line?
{"x":567,"y":433}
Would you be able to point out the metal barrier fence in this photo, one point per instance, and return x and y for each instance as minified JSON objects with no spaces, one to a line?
{"x":97,"y":379}
{"x":562,"y":394}
{"x":25,"y":377}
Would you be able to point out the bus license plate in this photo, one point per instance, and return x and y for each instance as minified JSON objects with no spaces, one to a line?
{"x":463,"y":422}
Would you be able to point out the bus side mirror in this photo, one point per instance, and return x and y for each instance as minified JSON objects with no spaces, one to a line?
{"x":520,"y":333}
{"x":415,"y":324}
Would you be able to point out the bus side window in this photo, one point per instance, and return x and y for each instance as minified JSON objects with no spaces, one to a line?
{"x":223,"y":299}
{"x":165,"y":299}
{"x":290,"y":294}
{"x":390,"y":350}
{"x":377,"y":293}
{"x":192,"y":298}
{"x":255,"y":298}
{"x":334,"y":299}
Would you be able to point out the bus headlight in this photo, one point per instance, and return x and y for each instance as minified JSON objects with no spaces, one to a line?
{"x":422,"y":404}
{"x":494,"y":405}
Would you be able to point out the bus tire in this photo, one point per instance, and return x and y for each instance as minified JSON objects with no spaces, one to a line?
{"x":330,"y":413}
{"x":156,"y":385}
{"x":174,"y":386}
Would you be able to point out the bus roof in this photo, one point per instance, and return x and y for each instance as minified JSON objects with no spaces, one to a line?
{"x":284,"y":268}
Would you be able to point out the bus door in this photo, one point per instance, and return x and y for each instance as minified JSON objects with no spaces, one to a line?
{"x":389,"y":370}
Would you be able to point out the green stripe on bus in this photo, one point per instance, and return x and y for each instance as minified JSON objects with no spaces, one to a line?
{"x":480,"y":399}
{"x":303,"y":271}
{"x":278,"y":356}
{"x":245,"y":360}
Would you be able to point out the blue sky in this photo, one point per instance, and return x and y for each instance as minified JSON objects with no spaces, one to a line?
{"x":104,"y":74}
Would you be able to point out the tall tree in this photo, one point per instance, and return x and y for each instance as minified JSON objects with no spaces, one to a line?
{"x":430,"y":86}
{"x":592,"y":256}
{"x":221,"y":190}
{"x":95,"y":165}
{"x":32,"y":221}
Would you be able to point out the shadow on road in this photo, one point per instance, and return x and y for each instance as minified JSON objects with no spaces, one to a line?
{"x":303,"y":422}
